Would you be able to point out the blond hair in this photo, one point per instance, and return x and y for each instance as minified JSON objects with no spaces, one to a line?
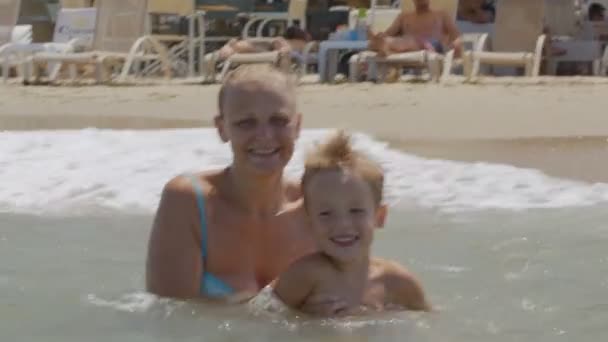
{"x":263,"y":74}
{"x":337,"y":154}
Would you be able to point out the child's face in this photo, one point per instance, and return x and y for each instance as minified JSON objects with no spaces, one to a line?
{"x":262,"y":126}
{"x":343,"y":214}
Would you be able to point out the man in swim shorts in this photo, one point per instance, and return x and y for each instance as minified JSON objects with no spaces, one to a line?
{"x":423,"y":29}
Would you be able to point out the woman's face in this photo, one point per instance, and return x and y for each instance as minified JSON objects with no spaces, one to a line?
{"x":259,"y":120}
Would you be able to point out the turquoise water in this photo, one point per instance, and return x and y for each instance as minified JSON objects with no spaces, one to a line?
{"x":531,"y":275}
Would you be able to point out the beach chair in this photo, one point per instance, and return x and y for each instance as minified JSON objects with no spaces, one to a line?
{"x":309,"y":55}
{"x":74,"y":30}
{"x":212,"y":60}
{"x":518,"y":39}
{"x":9,"y":12}
{"x":295,"y":12}
{"x":119,"y":42}
{"x":567,"y":33}
{"x":432,"y":61}
{"x":166,"y":26}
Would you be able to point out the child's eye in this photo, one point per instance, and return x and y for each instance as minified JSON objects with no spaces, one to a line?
{"x":357,"y":210}
{"x":246,"y":123}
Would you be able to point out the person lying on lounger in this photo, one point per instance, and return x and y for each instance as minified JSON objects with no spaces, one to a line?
{"x":476,"y":11}
{"x":294,"y":39}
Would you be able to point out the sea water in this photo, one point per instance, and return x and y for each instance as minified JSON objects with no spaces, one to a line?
{"x":504,"y":254}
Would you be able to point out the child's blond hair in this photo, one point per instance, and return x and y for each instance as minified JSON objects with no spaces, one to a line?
{"x":336,"y":153}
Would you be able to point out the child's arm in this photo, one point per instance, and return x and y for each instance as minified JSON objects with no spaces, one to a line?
{"x":295,"y":284}
{"x":405,"y":290}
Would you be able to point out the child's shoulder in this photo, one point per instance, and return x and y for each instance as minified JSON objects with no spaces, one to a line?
{"x":309,"y":264}
{"x":400,"y":284}
{"x":301,"y":274}
{"x":389,"y":271}
{"x":314,"y":260}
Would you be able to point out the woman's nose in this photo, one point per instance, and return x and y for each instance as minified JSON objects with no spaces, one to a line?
{"x":264,"y":131}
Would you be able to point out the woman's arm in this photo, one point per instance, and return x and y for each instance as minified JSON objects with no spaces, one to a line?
{"x":174,"y":263}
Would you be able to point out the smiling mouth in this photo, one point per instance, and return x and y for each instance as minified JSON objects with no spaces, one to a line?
{"x":263,"y":152}
{"x":344,"y":240}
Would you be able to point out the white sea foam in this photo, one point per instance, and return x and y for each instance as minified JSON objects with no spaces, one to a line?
{"x":130,"y":302}
{"x":72,"y":172}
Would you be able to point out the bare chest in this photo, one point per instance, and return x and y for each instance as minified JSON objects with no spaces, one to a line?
{"x":426,"y":26}
{"x":254,"y":250}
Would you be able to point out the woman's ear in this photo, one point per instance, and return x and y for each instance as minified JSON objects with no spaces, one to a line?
{"x":219,"y":125}
{"x":381,"y":212}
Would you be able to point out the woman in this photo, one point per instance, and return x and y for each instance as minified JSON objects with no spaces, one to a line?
{"x":226,"y":234}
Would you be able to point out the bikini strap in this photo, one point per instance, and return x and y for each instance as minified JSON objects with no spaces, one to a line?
{"x":200,"y":199}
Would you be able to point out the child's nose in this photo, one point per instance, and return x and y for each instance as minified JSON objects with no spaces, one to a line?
{"x":344,"y":223}
{"x":264,"y":131}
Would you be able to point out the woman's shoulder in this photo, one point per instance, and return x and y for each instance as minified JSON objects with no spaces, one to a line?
{"x":183,"y":188}
{"x":293,"y":191}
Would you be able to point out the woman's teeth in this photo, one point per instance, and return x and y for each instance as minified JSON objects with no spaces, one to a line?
{"x":344,"y":241}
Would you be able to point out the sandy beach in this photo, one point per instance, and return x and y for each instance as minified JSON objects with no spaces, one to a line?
{"x":559,"y":125}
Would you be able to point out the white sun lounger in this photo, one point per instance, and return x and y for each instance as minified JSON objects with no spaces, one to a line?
{"x":518,"y":39}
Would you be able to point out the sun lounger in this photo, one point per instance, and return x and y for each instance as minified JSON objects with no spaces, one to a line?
{"x":212,"y":60}
{"x":74,"y":31}
{"x":568,"y":34}
{"x":518,"y":38}
{"x":296,"y":11}
{"x":432,"y":61}
{"x":9,"y":12}
{"x":185,"y":46}
{"x":119,"y":41}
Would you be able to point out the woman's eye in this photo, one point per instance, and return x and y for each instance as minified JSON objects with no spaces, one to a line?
{"x":247,"y":123}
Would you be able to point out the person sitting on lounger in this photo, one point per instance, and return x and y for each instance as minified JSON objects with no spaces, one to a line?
{"x":423,"y":29}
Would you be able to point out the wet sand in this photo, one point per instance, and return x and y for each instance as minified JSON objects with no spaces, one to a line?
{"x":582,"y":158}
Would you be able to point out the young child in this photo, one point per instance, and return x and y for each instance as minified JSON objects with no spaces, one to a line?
{"x":343,"y":199}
